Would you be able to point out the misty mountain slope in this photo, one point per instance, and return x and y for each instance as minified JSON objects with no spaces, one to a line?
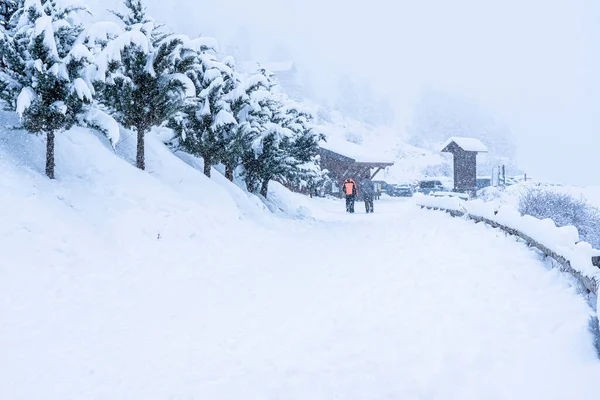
{"x":125,"y":284}
{"x":415,"y":148}
{"x":438,"y":115}
{"x":380,"y":143}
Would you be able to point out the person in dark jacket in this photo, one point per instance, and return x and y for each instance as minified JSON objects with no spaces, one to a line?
{"x":368,"y":193}
{"x":351,"y":191}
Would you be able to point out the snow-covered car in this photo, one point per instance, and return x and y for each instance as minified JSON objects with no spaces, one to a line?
{"x":402,"y":190}
{"x":430,"y":186}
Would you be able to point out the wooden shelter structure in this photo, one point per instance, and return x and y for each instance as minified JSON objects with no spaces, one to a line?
{"x":464,"y":151}
{"x":342,"y":166}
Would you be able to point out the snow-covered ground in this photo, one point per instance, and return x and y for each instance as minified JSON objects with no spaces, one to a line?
{"x":122,"y":284}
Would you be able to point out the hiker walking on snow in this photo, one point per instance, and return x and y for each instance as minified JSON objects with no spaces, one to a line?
{"x":368,"y":193}
{"x":351,"y":191}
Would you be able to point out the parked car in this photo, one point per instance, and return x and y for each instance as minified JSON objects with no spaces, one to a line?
{"x":430,"y":186}
{"x":402,"y":190}
{"x":395,"y":190}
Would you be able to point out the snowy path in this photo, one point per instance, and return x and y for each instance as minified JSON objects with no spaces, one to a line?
{"x":401,"y":304}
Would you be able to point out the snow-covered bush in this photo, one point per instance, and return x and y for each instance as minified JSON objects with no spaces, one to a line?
{"x":564,"y":210}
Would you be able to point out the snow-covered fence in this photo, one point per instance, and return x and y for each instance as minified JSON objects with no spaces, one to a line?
{"x":562,"y":244}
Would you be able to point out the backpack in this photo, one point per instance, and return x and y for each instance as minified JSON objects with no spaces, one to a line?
{"x":349,"y":187}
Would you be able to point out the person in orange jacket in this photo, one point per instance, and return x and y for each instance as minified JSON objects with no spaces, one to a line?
{"x":351,"y":191}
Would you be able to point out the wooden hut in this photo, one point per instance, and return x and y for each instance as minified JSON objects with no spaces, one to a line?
{"x":345,"y":160}
{"x":465,"y":151}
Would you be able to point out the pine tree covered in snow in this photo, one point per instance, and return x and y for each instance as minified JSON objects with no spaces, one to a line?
{"x":205,"y":123}
{"x":96,"y":37}
{"x":284,"y":145}
{"x":8,"y":8}
{"x":46,"y":78}
{"x":136,"y":13}
{"x":135,"y":75}
{"x":303,"y":148}
{"x":238,"y":90}
{"x":265,"y":159}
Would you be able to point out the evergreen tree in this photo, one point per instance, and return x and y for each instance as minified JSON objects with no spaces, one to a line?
{"x":302,"y":149}
{"x":8,"y":8}
{"x":46,"y":74}
{"x":238,"y":91}
{"x":285,"y":146}
{"x":136,"y":13}
{"x":136,"y":80}
{"x":205,"y":124}
{"x":98,"y":35}
{"x":265,"y":159}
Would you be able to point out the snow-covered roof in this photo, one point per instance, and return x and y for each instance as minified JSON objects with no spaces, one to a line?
{"x":467,"y":144}
{"x":354,"y":151}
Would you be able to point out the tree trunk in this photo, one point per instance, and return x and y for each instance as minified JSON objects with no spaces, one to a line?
{"x":140,"y":158}
{"x":50,"y":154}
{"x":207,"y":165}
{"x":264,"y":189}
{"x":229,"y":172}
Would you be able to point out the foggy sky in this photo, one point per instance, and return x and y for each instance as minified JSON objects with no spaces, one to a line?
{"x":534,"y":63}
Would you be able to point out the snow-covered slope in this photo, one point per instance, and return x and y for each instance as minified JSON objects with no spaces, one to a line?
{"x":122,"y":284}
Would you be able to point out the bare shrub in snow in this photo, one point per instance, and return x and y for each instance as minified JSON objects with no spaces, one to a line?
{"x":564,"y":210}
